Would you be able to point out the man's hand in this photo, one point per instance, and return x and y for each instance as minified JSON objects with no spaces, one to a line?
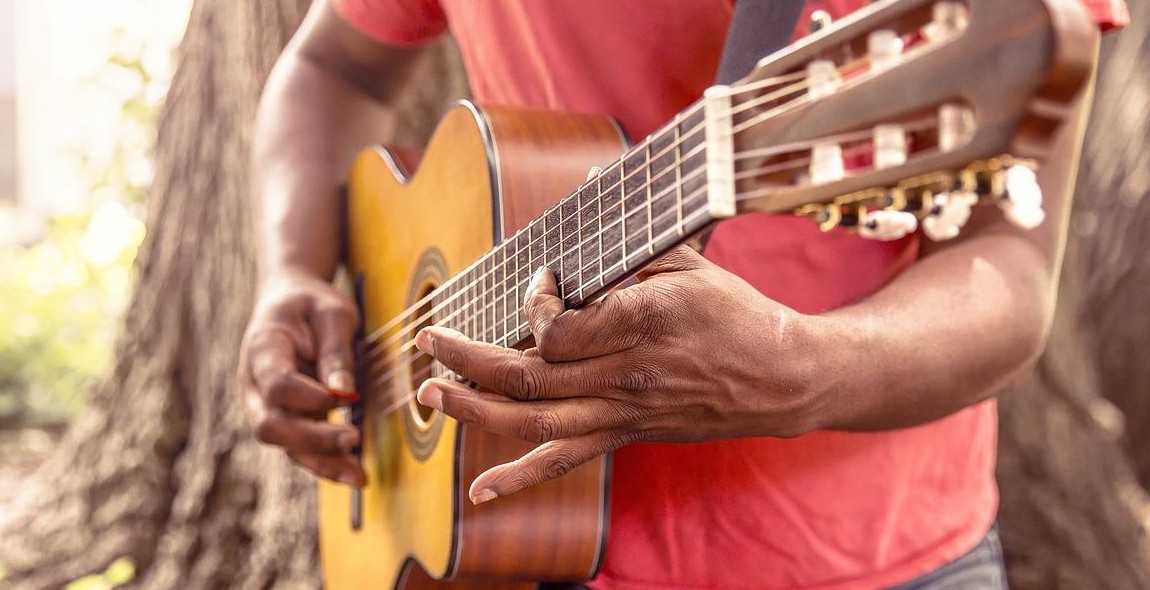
{"x":300,"y":322}
{"x":672,"y":359}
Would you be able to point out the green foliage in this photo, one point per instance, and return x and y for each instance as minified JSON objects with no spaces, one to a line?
{"x":61,"y":298}
{"x":119,"y":573}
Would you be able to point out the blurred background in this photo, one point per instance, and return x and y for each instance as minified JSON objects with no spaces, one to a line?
{"x":126,"y":277}
{"x":81,"y":84}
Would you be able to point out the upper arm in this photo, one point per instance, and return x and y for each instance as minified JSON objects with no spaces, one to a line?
{"x":327,"y":41}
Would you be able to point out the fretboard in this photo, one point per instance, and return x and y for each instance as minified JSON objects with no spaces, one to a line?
{"x":650,"y":200}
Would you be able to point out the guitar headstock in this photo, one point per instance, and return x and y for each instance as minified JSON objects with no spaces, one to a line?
{"x":907,"y":112}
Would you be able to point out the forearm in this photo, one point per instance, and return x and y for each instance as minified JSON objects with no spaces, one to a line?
{"x":310,"y":125}
{"x":948,"y":333}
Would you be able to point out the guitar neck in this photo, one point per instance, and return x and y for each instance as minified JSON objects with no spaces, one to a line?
{"x":613,"y":225}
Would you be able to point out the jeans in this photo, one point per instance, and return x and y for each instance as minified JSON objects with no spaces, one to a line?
{"x":981,"y":568}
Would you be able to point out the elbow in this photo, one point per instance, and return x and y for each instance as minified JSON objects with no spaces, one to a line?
{"x":1029,"y":335}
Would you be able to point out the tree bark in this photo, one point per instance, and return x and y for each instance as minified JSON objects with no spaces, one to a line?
{"x":163,"y":468}
{"x":1074,"y":434}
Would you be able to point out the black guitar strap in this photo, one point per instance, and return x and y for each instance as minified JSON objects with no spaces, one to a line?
{"x":758,"y":29}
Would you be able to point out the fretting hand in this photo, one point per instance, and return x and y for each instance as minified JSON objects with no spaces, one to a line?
{"x":691,"y":353}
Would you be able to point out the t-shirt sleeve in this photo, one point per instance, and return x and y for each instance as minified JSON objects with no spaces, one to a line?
{"x":394,"y":22}
{"x":1109,"y":14}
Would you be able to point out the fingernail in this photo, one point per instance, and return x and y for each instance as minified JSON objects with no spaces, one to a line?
{"x":534,"y":284}
{"x":348,"y":479}
{"x":342,"y":384}
{"x":425,"y":340}
{"x":484,"y":495}
{"x":430,"y":396}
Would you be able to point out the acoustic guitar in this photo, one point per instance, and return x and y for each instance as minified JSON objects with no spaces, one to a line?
{"x":936,"y":106}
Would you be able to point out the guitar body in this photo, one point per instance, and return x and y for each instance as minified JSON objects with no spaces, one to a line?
{"x":485,"y":174}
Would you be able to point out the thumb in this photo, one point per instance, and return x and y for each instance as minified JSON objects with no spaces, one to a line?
{"x":334,"y":329}
{"x":682,"y":258}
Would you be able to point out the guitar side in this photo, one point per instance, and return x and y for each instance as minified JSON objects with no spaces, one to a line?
{"x":485,"y":174}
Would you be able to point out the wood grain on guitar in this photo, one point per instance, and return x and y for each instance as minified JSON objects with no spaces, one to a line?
{"x":934,"y":106}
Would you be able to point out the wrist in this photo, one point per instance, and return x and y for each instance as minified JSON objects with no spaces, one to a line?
{"x":821,"y":363}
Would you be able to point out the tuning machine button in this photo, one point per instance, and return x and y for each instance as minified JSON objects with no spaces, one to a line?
{"x":948,"y":214}
{"x":1021,"y":200}
{"x":886,"y":224}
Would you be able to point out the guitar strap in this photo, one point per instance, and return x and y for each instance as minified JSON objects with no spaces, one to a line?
{"x":758,"y":29}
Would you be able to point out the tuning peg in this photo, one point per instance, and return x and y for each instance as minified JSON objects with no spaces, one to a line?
{"x":889,"y":146}
{"x":886,"y":225}
{"x":884,"y":49}
{"x":827,"y":163}
{"x":1022,"y":198}
{"x":948,"y":214}
{"x":948,"y":18}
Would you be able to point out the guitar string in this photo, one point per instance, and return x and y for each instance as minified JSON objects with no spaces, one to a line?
{"x":395,"y":356}
{"x":375,"y":337}
{"x":646,"y":168}
{"x":495,"y":301}
{"x":520,"y":326}
{"x":679,"y":142}
{"x":663,"y":195}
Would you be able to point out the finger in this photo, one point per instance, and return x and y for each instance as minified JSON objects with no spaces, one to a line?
{"x":536,"y":422}
{"x":334,"y":326}
{"x":304,"y":436}
{"x":548,"y":461}
{"x":344,"y":468}
{"x":615,"y":323}
{"x":680,"y":258}
{"x":272,"y":365}
{"x":521,"y":375}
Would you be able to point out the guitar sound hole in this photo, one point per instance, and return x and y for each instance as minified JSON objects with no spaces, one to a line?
{"x":422,"y":365}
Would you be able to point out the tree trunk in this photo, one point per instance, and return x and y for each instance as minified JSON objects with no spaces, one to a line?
{"x":1073,"y":512}
{"x":163,"y":469}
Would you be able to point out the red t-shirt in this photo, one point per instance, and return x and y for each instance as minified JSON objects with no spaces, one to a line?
{"x":828,"y":510}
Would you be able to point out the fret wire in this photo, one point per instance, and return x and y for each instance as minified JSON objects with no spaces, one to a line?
{"x":650,"y":202}
{"x":678,"y":176}
{"x":623,"y":206}
{"x":599,"y":222}
{"x":579,"y":233}
{"x":504,"y":294}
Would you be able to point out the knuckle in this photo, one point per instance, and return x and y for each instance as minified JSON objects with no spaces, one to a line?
{"x":266,"y":430}
{"x":550,"y":334}
{"x":629,"y":436}
{"x":558,"y":464}
{"x":519,"y":379}
{"x":635,"y":381}
{"x":279,"y":387}
{"x":465,"y":412}
{"x":323,"y":441}
{"x":541,"y":426}
{"x":338,"y":310}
